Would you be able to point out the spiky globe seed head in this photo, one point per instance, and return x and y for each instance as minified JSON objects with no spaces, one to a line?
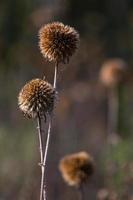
{"x":112,"y":72}
{"x":36,"y":97}
{"x":76,"y":168}
{"x":58,"y":42}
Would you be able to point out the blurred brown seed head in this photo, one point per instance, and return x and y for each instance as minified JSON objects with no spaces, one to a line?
{"x":112,"y":72}
{"x":58,"y":42}
{"x":36,"y":97}
{"x":76,"y":168}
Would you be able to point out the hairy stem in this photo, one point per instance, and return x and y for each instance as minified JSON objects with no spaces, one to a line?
{"x":47,"y":140}
{"x":45,"y":159}
{"x":81,"y":192}
{"x":39,"y":128}
{"x":55,"y":75}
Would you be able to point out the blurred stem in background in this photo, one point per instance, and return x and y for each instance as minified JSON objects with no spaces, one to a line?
{"x":112,"y":74}
{"x":113,"y":111}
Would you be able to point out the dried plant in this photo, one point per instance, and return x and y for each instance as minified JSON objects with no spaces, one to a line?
{"x":36,"y":98}
{"x":112,"y":72}
{"x":111,"y":75}
{"x":58,"y":42}
{"x":76,"y":169}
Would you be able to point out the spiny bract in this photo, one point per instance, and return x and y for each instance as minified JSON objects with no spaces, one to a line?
{"x":58,"y":42}
{"x":36,"y":98}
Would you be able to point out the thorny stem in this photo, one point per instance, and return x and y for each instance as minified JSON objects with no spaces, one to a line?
{"x":39,"y":128}
{"x":47,"y":140}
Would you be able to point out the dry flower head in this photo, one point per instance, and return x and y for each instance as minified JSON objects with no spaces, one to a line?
{"x":58,"y":42}
{"x":36,"y":98}
{"x":76,"y":168}
{"x":112,"y":72}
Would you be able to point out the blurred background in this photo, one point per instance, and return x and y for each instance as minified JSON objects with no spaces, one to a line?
{"x":80,"y":121}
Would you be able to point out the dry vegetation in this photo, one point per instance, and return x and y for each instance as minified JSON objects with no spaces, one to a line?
{"x":82,"y":119}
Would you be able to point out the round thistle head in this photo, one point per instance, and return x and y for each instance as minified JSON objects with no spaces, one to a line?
{"x":112,"y":72}
{"x":76,"y":168}
{"x":36,"y":98}
{"x":58,"y":42}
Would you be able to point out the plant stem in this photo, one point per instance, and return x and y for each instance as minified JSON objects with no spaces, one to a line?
{"x":55,"y":75}
{"x":45,"y":158}
{"x":113,"y":107}
{"x":47,"y":140}
{"x":39,"y":128}
{"x":81,"y":192}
